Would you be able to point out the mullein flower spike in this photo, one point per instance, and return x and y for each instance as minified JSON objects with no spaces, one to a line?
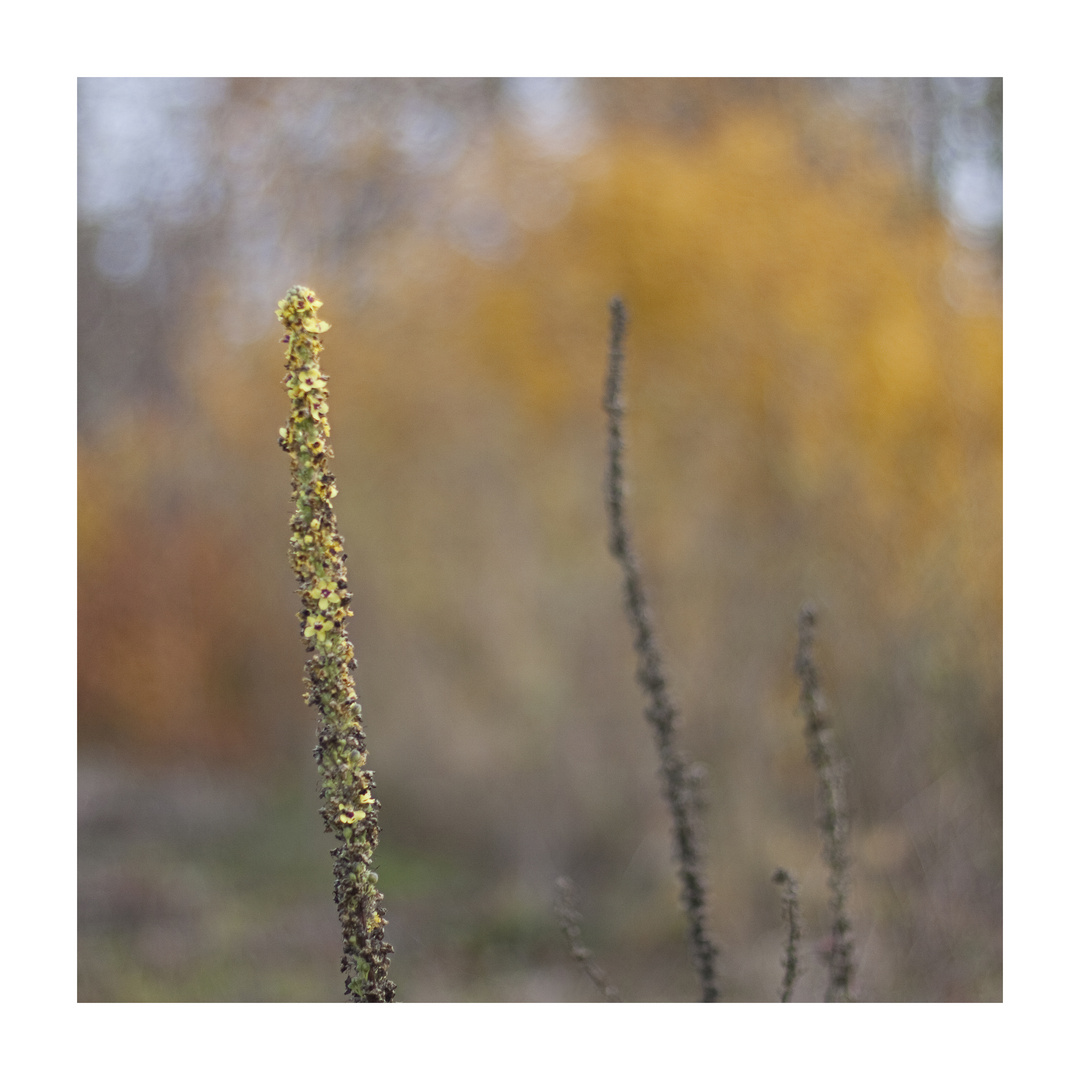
{"x":349,"y":807}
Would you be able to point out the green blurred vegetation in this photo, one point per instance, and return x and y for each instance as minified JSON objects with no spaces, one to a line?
{"x":814,"y":412}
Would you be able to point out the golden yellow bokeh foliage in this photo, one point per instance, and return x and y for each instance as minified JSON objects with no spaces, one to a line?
{"x":792,"y":357}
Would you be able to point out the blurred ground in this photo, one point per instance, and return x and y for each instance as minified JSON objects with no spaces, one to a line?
{"x":202,"y":887}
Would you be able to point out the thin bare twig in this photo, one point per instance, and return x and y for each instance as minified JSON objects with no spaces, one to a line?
{"x":789,"y":912}
{"x":660,"y":711}
{"x":570,"y":921}
{"x":834,"y":813}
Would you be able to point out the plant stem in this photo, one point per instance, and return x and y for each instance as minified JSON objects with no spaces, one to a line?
{"x":570,"y":921}
{"x":660,"y":711}
{"x":349,"y":807}
{"x":789,"y":912}
{"x":834,"y":813}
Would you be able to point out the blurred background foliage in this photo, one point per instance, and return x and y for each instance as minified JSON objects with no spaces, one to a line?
{"x":814,"y":384}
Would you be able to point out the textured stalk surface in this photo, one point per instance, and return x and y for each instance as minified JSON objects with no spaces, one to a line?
{"x":347,"y":787}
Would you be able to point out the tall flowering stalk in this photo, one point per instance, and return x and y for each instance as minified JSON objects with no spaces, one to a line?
{"x":349,"y":807}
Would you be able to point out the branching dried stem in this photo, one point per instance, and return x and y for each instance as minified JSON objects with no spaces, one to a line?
{"x":660,"y":712}
{"x":834,"y":814}
{"x":789,"y":913}
{"x":570,"y":921}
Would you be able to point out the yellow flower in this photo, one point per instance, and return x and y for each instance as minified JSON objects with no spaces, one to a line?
{"x":323,"y":595}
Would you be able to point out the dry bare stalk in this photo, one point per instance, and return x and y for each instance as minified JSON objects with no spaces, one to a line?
{"x":833,"y":811}
{"x":789,"y":912}
{"x":660,"y":711}
{"x":570,"y":921}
